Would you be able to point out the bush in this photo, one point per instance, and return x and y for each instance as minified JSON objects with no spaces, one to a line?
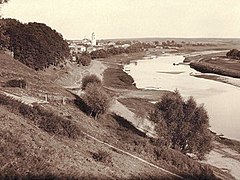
{"x":184,"y":124}
{"x":97,"y":99}
{"x":101,"y":53}
{"x":234,"y":53}
{"x":21,"y":83}
{"x":90,"y":79}
{"x":102,"y":156}
{"x":84,"y":59}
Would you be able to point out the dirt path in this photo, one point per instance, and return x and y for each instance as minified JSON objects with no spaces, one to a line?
{"x":28,"y":100}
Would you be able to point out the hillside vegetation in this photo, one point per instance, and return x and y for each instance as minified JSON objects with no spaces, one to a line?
{"x":34,"y":44}
{"x":50,"y":141}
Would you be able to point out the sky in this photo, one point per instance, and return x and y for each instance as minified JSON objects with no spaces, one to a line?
{"x":76,"y":19}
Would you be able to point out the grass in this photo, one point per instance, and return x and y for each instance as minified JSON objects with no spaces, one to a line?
{"x":216,"y":63}
{"x":152,"y":151}
{"x":117,"y":78}
{"x":138,"y":105}
{"x":42,"y":118}
{"x":232,"y":144}
{"x":11,"y":68}
{"x":70,"y":157}
{"x":102,"y":156}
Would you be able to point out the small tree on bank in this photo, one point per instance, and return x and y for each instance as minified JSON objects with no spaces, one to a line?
{"x":90,"y":79}
{"x":183,"y":124}
{"x":96,"y":99}
{"x":84,"y":59}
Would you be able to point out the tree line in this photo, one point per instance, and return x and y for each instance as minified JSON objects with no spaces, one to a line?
{"x":85,"y":58}
{"x":34,"y":44}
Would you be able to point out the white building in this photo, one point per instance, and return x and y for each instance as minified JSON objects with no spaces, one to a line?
{"x":77,"y":48}
{"x":94,"y":41}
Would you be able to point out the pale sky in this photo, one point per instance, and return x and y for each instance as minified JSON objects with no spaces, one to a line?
{"x":75,"y":19}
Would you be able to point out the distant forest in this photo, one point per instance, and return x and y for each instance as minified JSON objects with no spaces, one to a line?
{"x":34,"y":44}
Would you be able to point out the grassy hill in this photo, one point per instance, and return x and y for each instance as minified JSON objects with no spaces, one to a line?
{"x":56,"y":141}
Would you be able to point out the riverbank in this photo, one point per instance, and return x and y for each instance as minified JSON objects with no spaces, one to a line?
{"x":127,"y":94}
{"x":216,"y":63}
{"x":224,"y":79}
{"x":219,"y":153}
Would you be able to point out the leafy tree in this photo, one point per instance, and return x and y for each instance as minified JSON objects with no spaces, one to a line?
{"x":234,"y":53}
{"x":90,"y":79}
{"x":36,"y":44}
{"x":101,"y":53}
{"x":3,"y":1}
{"x":84,"y":59}
{"x":4,"y":40}
{"x":97,"y":99}
{"x":183,"y":124}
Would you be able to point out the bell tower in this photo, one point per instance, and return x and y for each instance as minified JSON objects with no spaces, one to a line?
{"x":94,"y":41}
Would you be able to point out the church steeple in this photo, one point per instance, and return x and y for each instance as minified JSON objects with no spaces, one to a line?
{"x":94,"y":42}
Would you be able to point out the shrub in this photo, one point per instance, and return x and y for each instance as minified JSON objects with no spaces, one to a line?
{"x":101,"y":53}
{"x":97,"y":99}
{"x":90,"y":79}
{"x":184,"y":124}
{"x":234,"y":53}
{"x":102,"y":156}
{"x":21,"y":83}
{"x":84,"y":59}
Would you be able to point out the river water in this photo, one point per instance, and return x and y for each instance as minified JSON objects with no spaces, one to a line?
{"x":221,"y":100}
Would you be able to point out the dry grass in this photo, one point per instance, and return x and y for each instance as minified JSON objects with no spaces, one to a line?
{"x":43,"y":118}
{"x":117,"y":78}
{"x":38,"y":82}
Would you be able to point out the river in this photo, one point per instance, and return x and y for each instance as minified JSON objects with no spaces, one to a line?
{"x":221,"y":100}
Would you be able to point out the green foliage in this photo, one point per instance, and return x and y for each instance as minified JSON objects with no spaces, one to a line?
{"x":134,"y":48}
{"x":43,"y":118}
{"x":101,"y":53}
{"x":102,"y":156}
{"x":21,"y":83}
{"x":84,"y":59}
{"x":183,"y":124}
{"x":116,"y":51}
{"x":96,"y":98}
{"x":4,"y":39}
{"x":234,"y":53}
{"x":90,"y":79}
{"x":3,"y":1}
{"x":35,"y":44}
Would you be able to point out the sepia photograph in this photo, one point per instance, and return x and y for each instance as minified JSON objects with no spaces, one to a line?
{"x":119,"y":89}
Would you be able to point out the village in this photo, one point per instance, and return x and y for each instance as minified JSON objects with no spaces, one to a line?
{"x":89,"y":45}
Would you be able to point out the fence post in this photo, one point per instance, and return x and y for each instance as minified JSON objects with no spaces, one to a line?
{"x":64,"y":100}
{"x":46,"y":97}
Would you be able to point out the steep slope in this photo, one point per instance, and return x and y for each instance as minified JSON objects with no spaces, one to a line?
{"x":110,"y":148}
{"x":38,"y":83}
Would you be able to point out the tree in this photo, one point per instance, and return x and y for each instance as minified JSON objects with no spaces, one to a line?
{"x":96,"y":99}
{"x":185,"y":123}
{"x":90,"y":79}
{"x":84,"y":59}
{"x":101,"y":53}
{"x":3,"y":1}
{"x":234,"y":53}
{"x":35,"y":44}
